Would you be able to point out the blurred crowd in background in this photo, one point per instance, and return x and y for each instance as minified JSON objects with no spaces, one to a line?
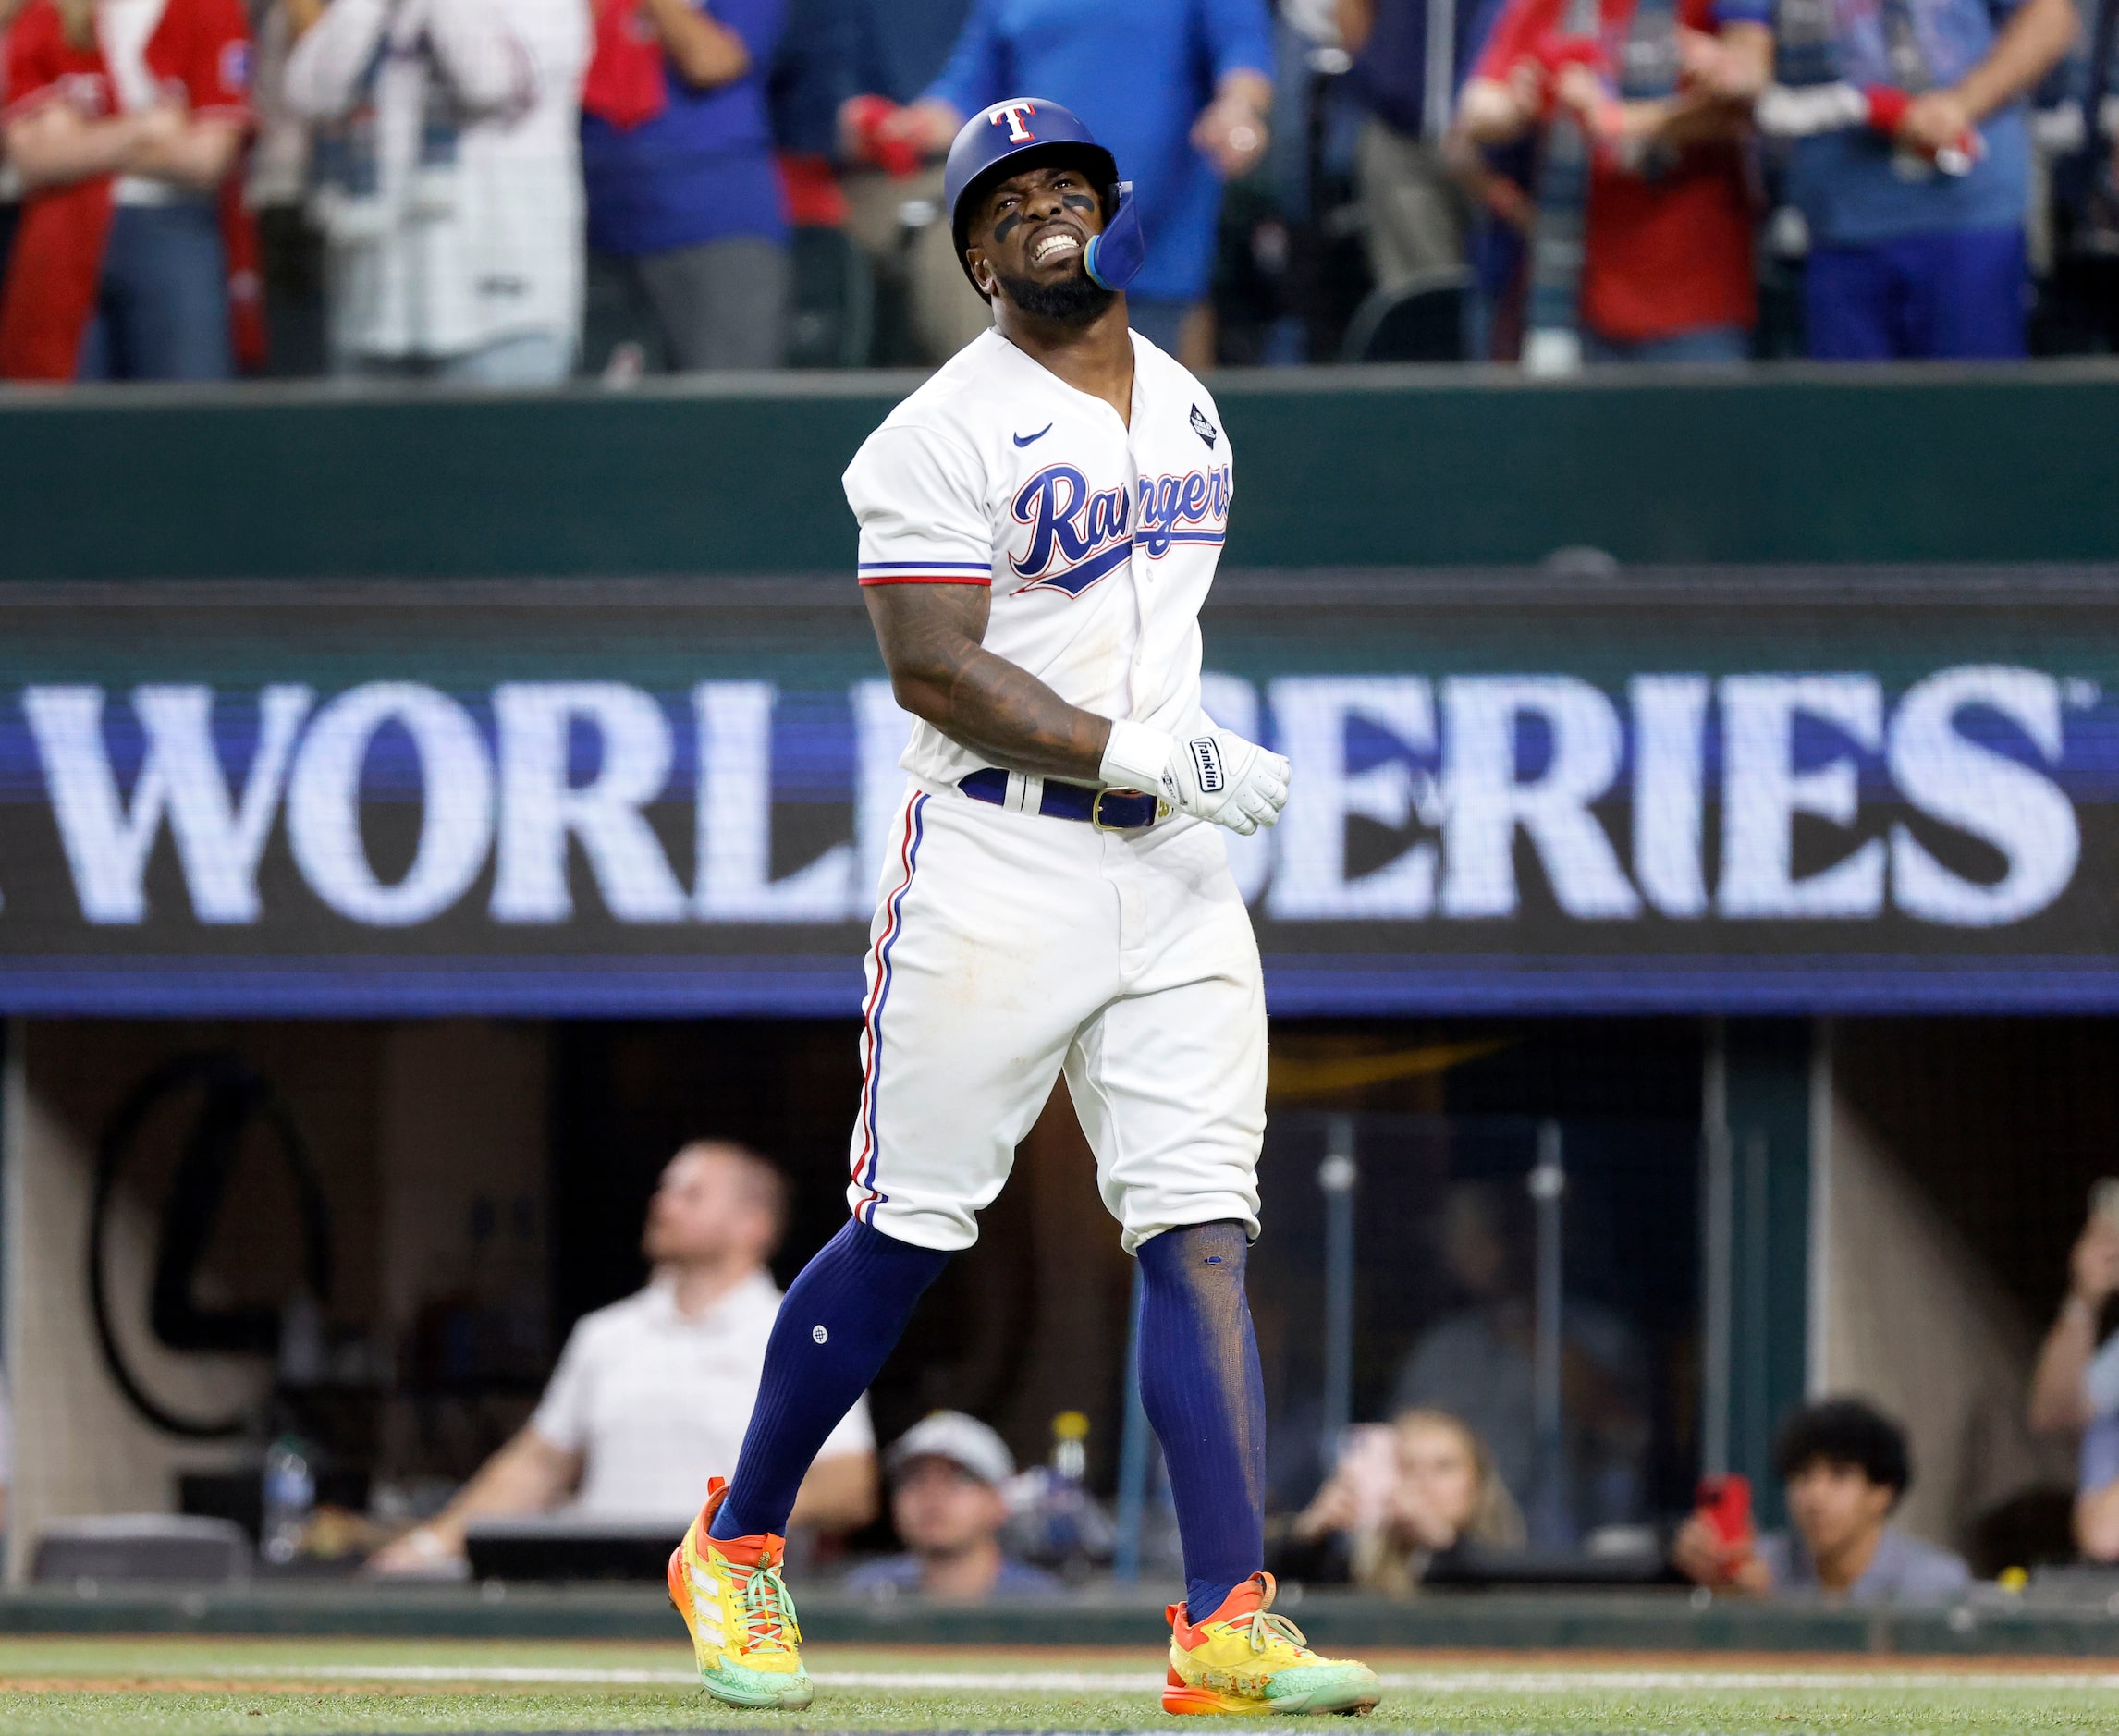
{"x":514,"y":192}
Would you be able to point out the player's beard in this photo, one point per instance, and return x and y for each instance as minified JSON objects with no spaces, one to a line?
{"x":1076,"y":300}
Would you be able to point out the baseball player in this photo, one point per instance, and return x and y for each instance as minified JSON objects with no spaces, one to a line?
{"x":1040,"y":525}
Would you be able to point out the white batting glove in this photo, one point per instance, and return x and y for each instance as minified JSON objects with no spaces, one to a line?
{"x":1217,"y":776}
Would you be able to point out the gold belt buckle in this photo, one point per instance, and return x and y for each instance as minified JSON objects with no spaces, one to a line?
{"x":1100,"y":823}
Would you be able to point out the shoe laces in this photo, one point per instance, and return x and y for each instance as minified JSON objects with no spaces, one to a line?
{"x":1261,"y":1627}
{"x":769,"y":1621}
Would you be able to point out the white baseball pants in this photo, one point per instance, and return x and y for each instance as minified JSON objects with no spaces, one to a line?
{"x":1009,"y":946}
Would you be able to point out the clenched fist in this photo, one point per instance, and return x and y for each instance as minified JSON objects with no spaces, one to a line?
{"x":1217,"y":776}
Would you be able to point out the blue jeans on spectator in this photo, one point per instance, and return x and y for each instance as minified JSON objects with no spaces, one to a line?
{"x":1957,"y":295}
{"x":162,"y":312}
{"x":1704,"y":345}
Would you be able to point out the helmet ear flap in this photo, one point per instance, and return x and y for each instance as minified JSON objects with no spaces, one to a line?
{"x":1115,"y":257}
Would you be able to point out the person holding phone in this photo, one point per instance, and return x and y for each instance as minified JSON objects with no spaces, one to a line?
{"x":2076,"y":1384}
{"x":2059,"y":1405}
{"x":1405,"y":1493}
{"x":1844,"y":1466}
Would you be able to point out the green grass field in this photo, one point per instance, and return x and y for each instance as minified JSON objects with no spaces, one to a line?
{"x":203,"y":1687}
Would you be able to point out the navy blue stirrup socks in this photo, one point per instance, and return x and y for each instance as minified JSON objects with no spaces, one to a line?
{"x":1206,"y":1399}
{"x":838,"y":1323}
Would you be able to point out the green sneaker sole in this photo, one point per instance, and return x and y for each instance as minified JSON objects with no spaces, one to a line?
{"x":1348,"y":1691}
{"x":792,"y":1693}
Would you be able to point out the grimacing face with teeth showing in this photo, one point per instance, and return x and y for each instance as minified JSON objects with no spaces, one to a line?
{"x":1034,"y":227}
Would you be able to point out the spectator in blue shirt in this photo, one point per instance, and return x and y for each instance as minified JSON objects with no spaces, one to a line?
{"x":2096,"y":1489}
{"x":1906,"y":261}
{"x":2075,"y":1384}
{"x":685,"y":218}
{"x":947,"y":1474}
{"x":1179,"y":90}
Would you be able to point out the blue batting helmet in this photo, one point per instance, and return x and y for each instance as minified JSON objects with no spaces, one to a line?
{"x":1016,"y":135}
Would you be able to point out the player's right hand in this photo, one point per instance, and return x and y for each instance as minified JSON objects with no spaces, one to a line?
{"x":1232,"y":782}
{"x":1218,"y":775}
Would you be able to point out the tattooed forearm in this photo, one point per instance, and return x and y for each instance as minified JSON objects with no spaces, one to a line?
{"x":940,"y":671}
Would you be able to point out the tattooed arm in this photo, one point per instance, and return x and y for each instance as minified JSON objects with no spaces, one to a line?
{"x":939,"y":670}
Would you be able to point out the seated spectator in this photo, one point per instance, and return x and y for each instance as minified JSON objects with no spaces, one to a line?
{"x":687,"y":234}
{"x":450,"y":183}
{"x":653,"y":1394}
{"x":1477,"y":1363}
{"x":125,"y":123}
{"x":1180,"y":95}
{"x":1647,"y":255}
{"x":946,"y":1473}
{"x":2075,"y":1384}
{"x":1907,"y":261}
{"x":1402,"y":1498}
{"x":1843,"y":1467}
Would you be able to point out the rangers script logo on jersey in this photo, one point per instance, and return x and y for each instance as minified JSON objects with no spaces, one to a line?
{"x":1091,"y":532}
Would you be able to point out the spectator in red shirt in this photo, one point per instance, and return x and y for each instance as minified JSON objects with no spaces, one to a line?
{"x":126,"y":119}
{"x":1659,"y":90}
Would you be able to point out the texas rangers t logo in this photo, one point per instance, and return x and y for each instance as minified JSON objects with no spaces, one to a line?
{"x":1012,"y":112}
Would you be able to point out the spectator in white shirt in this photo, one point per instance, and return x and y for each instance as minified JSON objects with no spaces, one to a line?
{"x":449,"y":182}
{"x":653,"y":1394}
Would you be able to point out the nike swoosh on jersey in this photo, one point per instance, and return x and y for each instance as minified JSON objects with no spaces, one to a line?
{"x":1024,"y":440}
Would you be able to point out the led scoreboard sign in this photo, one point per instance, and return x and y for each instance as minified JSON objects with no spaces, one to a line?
{"x":1801,"y":790}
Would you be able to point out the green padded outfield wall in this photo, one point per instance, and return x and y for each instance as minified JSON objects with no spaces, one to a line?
{"x":1375,"y":466}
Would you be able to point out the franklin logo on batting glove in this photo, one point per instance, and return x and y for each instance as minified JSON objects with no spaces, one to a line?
{"x":1206,"y":765}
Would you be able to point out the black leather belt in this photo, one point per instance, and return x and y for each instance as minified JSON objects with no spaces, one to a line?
{"x":1107,"y":810}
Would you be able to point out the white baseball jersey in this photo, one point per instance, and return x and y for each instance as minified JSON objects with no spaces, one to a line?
{"x":1012,"y":946}
{"x":1099,"y":540}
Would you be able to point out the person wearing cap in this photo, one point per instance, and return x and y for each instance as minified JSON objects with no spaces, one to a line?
{"x":947,"y":1474}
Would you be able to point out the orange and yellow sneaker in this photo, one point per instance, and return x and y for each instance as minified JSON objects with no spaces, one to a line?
{"x":741,"y":1620}
{"x":1242,"y":1661}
